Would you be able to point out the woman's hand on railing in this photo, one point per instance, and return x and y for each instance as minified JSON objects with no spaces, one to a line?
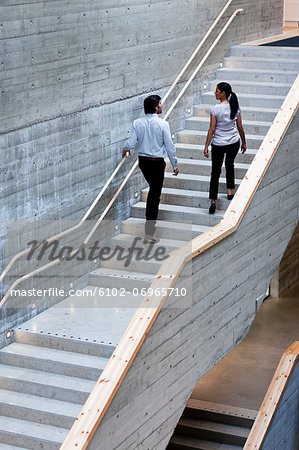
{"x":126,"y":153}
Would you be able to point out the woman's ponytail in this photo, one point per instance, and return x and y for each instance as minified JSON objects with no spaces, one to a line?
{"x":231,"y":97}
{"x":234,"y":105}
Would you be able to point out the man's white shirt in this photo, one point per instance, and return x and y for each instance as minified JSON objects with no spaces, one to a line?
{"x":153,"y":139}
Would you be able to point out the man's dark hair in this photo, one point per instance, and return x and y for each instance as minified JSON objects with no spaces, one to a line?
{"x":150,"y":104}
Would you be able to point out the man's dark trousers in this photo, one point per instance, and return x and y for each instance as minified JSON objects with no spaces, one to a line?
{"x":153,"y":171}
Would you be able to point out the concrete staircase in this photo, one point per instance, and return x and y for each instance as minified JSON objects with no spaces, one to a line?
{"x":44,"y":383}
{"x":48,"y":371}
{"x":212,"y":426}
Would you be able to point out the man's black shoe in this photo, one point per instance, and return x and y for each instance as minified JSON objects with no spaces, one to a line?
{"x":212,"y":208}
{"x":148,"y":239}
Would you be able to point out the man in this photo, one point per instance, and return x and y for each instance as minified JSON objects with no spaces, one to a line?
{"x":153,"y":139}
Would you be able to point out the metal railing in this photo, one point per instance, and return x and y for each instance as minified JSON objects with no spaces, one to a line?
{"x":196,"y":50}
{"x":68,"y":231}
{"x":203,"y":60}
{"x":179,"y":96}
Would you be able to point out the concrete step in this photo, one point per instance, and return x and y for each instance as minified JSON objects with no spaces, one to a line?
{"x":151,"y":267}
{"x":247,"y":112}
{"x":188,"y":197}
{"x":52,"y":360}
{"x":251,"y":87}
{"x":250,"y":126}
{"x":216,"y":412}
{"x":178,"y":442}
{"x":256,"y":100}
{"x":199,"y":137}
{"x":30,"y":435}
{"x":265,"y":52}
{"x":35,"y":382}
{"x":38,"y":409}
{"x":194,"y":151}
{"x":90,"y":322}
{"x":126,"y":241}
{"x":208,"y":425}
{"x":203,"y":167}
{"x":199,"y":216}
{"x":216,"y":432}
{"x":166,"y":229}
{"x":262,"y":63}
{"x":10,"y":447}
{"x":59,"y":341}
{"x":194,"y":182}
{"x":263,"y":76}
{"x":105,"y":277}
{"x":131,"y":251}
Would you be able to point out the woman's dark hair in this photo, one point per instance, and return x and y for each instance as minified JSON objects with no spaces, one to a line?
{"x":231,"y":97}
{"x":150,"y":104}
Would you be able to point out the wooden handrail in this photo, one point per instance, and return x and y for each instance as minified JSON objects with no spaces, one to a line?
{"x":272,"y":398}
{"x":106,"y":387}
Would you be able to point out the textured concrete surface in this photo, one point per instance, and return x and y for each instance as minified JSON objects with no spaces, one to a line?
{"x":243,"y":376}
{"x":85,"y":317}
{"x":70,"y":56}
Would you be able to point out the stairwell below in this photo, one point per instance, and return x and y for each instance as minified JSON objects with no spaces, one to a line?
{"x":225,"y":402}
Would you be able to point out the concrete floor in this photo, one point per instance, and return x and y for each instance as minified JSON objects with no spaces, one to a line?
{"x":242,"y":378}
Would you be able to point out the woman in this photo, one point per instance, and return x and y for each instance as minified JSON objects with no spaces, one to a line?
{"x":224,"y":117}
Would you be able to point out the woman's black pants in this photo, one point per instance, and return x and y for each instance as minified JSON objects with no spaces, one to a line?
{"x":218,"y":152}
{"x":153,"y":172}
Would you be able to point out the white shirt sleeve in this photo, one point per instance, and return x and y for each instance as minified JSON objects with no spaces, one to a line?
{"x":213,"y":111}
{"x":169,"y":146}
{"x":132,"y":140}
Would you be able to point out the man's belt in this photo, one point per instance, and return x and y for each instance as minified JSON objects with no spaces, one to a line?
{"x":151,"y":159}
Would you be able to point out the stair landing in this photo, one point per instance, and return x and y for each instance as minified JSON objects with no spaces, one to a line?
{"x":85,"y":319}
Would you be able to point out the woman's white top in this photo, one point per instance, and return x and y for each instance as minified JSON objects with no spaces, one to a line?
{"x":226,"y":132}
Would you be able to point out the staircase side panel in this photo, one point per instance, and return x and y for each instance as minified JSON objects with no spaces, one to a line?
{"x":184,"y":343}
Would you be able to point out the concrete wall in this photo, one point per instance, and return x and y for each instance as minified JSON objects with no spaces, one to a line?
{"x":191,"y":335}
{"x":74,"y":75}
{"x":284,"y":428}
{"x":287,"y":274}
{"x":62,"y":57}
